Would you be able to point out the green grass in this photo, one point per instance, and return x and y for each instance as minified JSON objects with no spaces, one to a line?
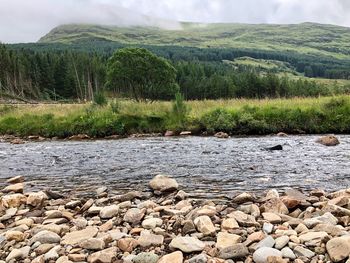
{"x":310,"y":115}
{"x":305,"y":38}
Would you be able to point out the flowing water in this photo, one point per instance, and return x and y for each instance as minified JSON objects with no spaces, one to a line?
{"x":203,"y":166}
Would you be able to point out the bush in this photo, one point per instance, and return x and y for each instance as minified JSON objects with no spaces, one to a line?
{"x":115,"y":106}
{"x":179,"y":114}
{"x":100,"y":98}
{"x":219,"y":120}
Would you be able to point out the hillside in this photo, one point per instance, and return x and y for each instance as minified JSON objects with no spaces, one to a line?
{"x":306,"y":38}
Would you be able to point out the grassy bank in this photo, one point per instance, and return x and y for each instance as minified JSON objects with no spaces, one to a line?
{"x":309,"y":115}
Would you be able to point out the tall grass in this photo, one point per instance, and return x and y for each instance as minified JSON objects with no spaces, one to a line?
{"x":239,"y":116}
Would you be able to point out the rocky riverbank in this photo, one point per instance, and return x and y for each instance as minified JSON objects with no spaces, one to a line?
{"x":167,"y":226}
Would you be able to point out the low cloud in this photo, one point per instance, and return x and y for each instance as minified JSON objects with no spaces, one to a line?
{"x":27,"y":21}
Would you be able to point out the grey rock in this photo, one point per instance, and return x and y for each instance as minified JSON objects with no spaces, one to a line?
{"x":288,"y":253}
{"x":266,"y":242}
{"x":234,"y":252}
{"x":267,"y":228}
{"x":201,"y":258}
{"x":281,"y":242}
{"x":146,"y":257}
{"x":303,"y":252}
{"x":46,"y":237}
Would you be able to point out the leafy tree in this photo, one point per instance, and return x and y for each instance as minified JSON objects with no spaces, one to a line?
{"x":141,"y":74}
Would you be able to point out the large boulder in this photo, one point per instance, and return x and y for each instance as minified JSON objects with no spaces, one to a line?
{"x":163,"y":183}
{"x":329,"y":140}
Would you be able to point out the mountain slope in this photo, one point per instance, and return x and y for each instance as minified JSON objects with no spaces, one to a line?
{"x":305,"y":38}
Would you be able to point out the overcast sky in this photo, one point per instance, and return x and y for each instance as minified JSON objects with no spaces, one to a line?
{"x":28,"y":20}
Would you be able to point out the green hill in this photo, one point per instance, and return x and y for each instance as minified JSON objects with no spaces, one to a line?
{"x":306,"y":38}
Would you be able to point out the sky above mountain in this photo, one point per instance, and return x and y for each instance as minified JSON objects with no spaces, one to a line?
{"x":27,"y":21}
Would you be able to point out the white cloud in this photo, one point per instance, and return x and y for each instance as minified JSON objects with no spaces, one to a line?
{"x":28,"y":20}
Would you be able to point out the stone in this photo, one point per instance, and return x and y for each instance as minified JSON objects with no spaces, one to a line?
{"x":187,"y":244}
{"x":300,"y":251}
{"x":272,"y":218}
{"x":147,"y":239}
{"x":329,"y":229}
{"x":288,"y":253}
{"x":274,"y":205}
{"x":221,"y":135}
{"x":127,"y":244}
{"x":226,"y":240}
{"x":266,"y":242}
{"x":169,"y":133}
{"x":261,"y":255}
{"x":36,"y":199}
{"x":163,"y":183}
{"x":108,"y":212}
{"x":134,"y":215}
{"x":77,"y":257}
{"x":338,"y":248}
{"x":281,"y":242}
{"x":229,"y":224}
{"x":17,"y":141}
{"x":79,"y":137}
{"x":52,"y":254}
{"x":46,"y":237}
{"x":268,"y":228}
{"x":80,"y":223}
{"x":25,"y":221}
{"x":201,"y":258}
{"x":175,"y":257}
{"x":43,"y":248}
{"x":256,"y":237}
{"x":151,"y":223}
{"x":243,"y":219}
{"x":329,"y":140}
{"x":8,"y":214}
{"x":92,"y":244}
{"x":271,"y":194}
{"x":15,"y":180}
{"x":290,"y":202}
{"x":243,"y":198}
{"x":14,"y":254}
{"x":75,"y":237}
{"x":185,"y":133}
{"x":13,"y":200}
{"x":16,"y":188}
{"x":104,"y":256}
{"x":63,"y":259}
{"x":312,"y":236}
{"x":235,"y":251}
{"x":282,"y":134}
{"x":188,"y":227}
{"x":14,"y":235}
{"x":205,"y":225}
{"x":146,"y":257}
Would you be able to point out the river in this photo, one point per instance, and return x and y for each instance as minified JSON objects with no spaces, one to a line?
{"x":203,"y":166}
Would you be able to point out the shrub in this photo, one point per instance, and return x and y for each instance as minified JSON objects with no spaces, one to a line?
{"x":219,"y":120}
{"x":115,"y":106}
{"x":100,"y":98}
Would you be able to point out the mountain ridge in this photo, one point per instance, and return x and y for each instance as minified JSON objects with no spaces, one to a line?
{"x":307,"y":38}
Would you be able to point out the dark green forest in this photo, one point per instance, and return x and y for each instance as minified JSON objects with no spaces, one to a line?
{"x":77,"y":71}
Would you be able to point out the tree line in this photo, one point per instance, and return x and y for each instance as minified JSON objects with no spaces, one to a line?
{"x":54,"y":73}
